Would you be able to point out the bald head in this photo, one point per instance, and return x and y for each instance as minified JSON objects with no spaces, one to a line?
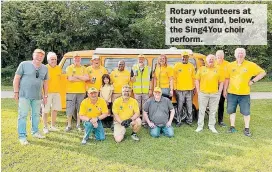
{"x":121,"y":65}
{"x":210,"y":60}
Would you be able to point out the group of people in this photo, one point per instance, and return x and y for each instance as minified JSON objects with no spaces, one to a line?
{"x":109,"y":95}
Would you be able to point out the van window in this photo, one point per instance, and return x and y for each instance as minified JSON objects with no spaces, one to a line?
{"x":173,"y":61}
{"x":111,"y":63}
{"x":68,"y":61}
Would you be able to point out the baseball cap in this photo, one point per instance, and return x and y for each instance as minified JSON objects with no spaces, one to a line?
{"x":185,"y":53}
{"x":141,"y":55}
{"x":95,"y":57}
{"x":157,"y":89}
{"x":92,"y":89}
{"x":39,"y":51}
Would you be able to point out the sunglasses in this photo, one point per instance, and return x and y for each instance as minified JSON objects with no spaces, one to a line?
{"x":37,"y":74}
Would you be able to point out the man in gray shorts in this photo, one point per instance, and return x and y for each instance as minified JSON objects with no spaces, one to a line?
{"x":29,"y":80}
{"x":76,"y":88}
{"x":156,"y":114}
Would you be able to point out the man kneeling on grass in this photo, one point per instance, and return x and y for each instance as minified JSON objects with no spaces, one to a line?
{"x":126,"y":113}
{"x":156,"y":113}
{"x":92,"y":110}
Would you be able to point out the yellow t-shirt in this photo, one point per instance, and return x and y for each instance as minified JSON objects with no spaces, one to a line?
{"x":77,"y":86}
{"x":93,"y":110}
{"x":119,"y":79}
{"x":240,"y":76}
{"x":95,"y":74}
{"x":54,"y":81}
{"x":163,"y":74}
{"x":125,"y":110}
{"x":209,"y":79}
{"x":223,"y":67}
{"x":184,"y":76}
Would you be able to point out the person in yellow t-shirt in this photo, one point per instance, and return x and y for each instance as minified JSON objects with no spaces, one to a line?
{"x":75,"y":93}
{"x":126,"y":113}
{"x":163,"y":77}
{"x":54,"y":99}
{"x":92,"y":110}
{"x":184,"y":76}
{"x":119,"y":78}
{"x":222,"y":64}
{"x":237,"y":87}
{"x":95,"y":72}
{"x":209,"y":85}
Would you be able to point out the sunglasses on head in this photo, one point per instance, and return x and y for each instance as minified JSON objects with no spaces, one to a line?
{"x":37,"y":74}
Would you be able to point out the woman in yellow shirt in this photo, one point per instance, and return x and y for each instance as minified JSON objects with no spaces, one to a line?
{"x":163,"y":76}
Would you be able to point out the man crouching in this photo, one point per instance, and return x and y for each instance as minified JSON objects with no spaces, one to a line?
{"x":156,"y":114}
{"x":126,"y":113}
{"x":92,"y":110}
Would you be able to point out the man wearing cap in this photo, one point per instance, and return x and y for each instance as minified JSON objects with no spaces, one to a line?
{"x":156,"y":113}
{"x":31,"y":77}
{"x":54,"y":87}
{"x":92,"y":110}
{"x":95,"y":72}
{"x":237,"y":87}
{"x":141,"y":79}
{"x":126,"y":113}
{"x":222,"y":64}
{"x":209,"y":85}
{"x":75,"y":93}
{"x":119,"y":77}
{"x":184,"y":76}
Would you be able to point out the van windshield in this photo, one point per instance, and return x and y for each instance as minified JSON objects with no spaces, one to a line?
{"x":173,"y":61}
{"x":111,"y":63}
{"x":68,"y":61}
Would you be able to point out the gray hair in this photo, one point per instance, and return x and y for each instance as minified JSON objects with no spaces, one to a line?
{"x":237,"y":51}
{"x":210,"y":56}
{"x":51,"y":54}
{"x":219,"y":52}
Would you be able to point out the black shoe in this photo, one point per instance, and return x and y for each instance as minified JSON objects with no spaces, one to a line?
{"x":222,"y":124}
{"x":145,"y":125}
{"x":189,"y":123}
{"x":247,"y":132}
{"x":179,"y":124}
{"x":232,"y":130}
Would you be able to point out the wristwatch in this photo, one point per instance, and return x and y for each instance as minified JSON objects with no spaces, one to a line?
{"x":45,"y":96}
{"x":252,"y":81}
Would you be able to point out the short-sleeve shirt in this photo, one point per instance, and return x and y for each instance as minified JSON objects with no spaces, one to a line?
{"x":158,"y":111}
{"x":163,"y":74}
{"x":239,"y":76}
{"x":96,"y":75}
{"x":31,"y":87}
{"x":119,"y":79}
{"x":209,"y":78}
{"x":105,"y":92}
{"x":223,"y":67}
{"x":125,"y":110}
{"x":54,"y":81}
{"x":93,"y":110}
{"x":77,"y":86}
{"x":184,"y":76}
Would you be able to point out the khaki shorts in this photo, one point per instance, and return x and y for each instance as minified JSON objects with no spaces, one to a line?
{"x":53,"y":103}
{"x":120,"y":130}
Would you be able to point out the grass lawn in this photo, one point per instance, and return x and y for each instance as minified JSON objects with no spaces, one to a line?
{"x":262,"y":87}
{"x":187,"y":151}
{"x":6,"y":88}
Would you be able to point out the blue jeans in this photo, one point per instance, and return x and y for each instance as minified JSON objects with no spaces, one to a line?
{"x":242,"y":100}
{"x":98,"y":132}
{"x":167,"y":131}
{"x":24,"y":106}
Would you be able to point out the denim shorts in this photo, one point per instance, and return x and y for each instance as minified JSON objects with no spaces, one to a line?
{"x":242,"y":100}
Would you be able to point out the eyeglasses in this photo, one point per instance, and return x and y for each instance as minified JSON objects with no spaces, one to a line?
{"x":37,"y":74}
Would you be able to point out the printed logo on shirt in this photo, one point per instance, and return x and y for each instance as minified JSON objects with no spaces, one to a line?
{"x":121,"y":107}
{"x":90,"y":110}
{"x":130,"y":106}
{"x":233,"y":70}
{"x":180,"y":70}
{"x":99,"y":108}
{"x":244,"y":70}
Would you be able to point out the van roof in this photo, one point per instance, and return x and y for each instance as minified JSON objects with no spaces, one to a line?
{"x":140,"y":51}
{"x":82,"y":53}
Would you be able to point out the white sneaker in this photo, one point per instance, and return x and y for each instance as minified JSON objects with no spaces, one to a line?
{"x":198,"y":129}
{"x":213,"y":130}
{"x":38,"y":135}
{"x":23,"y":142}
{"x":45,"y":130}
{"x":53,"y":128}
{"x":83,"y":141}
